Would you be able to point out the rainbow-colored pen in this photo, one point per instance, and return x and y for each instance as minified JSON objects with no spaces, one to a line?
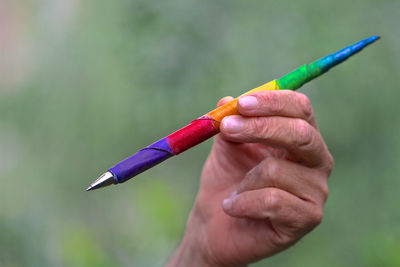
{"x":207,"y":125}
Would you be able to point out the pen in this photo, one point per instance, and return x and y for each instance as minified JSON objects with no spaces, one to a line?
{"x":207,"y":125}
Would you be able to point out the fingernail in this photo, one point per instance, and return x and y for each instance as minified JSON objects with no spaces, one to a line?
{"x":227,"y":203}
{"x":248,"y":102}
{"x":234,"y":193}
{"x":232,"y":124}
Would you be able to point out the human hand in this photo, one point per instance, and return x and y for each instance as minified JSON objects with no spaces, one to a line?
{"x":263,"y":185}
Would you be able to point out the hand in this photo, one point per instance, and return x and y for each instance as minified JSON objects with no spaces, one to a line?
{"x":263,"y":185}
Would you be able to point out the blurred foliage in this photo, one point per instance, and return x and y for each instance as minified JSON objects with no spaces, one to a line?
{"x":84,"y":84}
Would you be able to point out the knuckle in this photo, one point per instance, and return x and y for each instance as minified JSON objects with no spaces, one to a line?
{"x":306,"y":105}
{"x":258,"y":127}
{"x":273,"y":102}
{"x":283,"y":239}
{"x":325,"y":191}
{"x":330,"y":163}
{"x":303,"y":133}
{"x":270,"y":170}
{"x":272,"y":200}
{"x":316,"y":217}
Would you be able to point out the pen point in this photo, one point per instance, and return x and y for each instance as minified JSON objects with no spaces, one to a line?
{"x":89,"y":188}
{"x":104,"y":180}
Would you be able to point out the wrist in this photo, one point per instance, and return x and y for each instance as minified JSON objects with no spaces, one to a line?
{"x":189,"y":254}
{"x":192,"y":250}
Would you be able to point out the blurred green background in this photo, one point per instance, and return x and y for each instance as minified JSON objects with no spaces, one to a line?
{"x":77,"y":79}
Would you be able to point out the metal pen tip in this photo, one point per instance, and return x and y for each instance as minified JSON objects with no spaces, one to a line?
{"x":89,"y":188}
{"x":104,"y":180}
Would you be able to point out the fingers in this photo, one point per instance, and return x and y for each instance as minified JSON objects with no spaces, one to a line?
{"x":305,"y":183}
{"x":297,"y":136}
{"x":278,"y":206}
{"x":284,"y":103}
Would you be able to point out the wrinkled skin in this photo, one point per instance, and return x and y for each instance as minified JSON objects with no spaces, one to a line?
{"x":263,"y":185}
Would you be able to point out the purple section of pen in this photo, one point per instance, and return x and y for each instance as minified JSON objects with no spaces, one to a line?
{"x":142,"y":160}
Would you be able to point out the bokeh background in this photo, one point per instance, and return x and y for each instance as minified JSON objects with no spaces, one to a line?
{"x":84,"y":84}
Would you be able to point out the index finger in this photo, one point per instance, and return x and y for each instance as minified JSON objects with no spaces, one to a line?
{"x":285,"y":103}
{"x":297,"y":136}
